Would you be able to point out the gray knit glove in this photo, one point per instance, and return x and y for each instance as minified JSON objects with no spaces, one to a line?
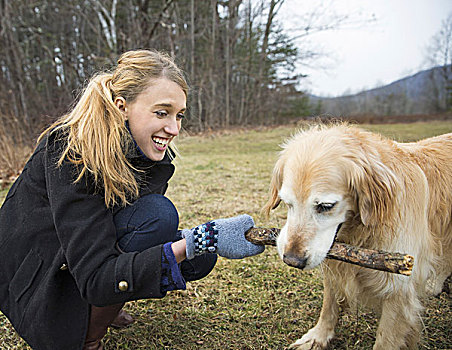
{"x":226,"y":237}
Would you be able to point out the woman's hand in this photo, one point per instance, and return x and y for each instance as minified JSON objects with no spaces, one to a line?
{"x":226,"y":237}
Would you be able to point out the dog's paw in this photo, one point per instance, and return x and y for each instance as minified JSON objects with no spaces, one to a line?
{"x":315,"y":339}
{"x":310,"y":345}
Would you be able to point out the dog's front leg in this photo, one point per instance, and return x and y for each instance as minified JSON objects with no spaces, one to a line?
{"x":399,"y":326}
{"x":318,"y":337}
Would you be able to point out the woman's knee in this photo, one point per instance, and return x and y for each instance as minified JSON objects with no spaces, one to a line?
{"x":149,"y":221}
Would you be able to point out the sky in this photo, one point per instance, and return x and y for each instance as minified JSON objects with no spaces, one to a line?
{"x":387,"y":41}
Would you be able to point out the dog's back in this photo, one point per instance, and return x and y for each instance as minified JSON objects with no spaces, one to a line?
{"x":434,"y":157}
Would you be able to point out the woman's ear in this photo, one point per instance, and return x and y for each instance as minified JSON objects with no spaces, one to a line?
{"x":120,"y":102}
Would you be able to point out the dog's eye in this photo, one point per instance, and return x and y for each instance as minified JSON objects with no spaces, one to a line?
{"x":324,"y":207}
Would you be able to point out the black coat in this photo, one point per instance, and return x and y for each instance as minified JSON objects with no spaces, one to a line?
{"x":57,"y":250}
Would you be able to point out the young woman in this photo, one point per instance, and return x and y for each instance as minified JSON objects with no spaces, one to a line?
{"x":86,"y":228}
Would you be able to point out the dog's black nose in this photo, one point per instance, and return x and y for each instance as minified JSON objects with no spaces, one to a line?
{"x":295,"y":260}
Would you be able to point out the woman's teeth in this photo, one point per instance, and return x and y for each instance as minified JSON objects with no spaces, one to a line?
{"x":160,"y":141}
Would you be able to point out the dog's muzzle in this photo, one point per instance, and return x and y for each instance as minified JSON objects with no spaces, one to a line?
{"x":300,"y":262}
{"x":295,"y":261}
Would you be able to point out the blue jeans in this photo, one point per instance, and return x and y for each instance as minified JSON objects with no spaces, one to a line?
{"x":152,"y":220}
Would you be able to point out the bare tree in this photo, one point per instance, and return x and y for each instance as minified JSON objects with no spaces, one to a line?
{"x":107,"y":19}
{"x":439,"y":53}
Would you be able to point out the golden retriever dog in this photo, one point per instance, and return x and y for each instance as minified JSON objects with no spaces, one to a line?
{"x":341,"y":182}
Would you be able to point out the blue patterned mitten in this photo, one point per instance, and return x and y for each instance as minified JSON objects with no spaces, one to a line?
{"x":226,"y":237}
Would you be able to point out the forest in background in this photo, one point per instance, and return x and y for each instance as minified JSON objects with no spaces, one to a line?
{"x":239,"y":62}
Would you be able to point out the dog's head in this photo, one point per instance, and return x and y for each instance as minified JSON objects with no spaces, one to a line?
{"x":326,"y":176}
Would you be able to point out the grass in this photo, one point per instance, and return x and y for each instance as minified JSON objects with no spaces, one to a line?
{"x":258,"y":302}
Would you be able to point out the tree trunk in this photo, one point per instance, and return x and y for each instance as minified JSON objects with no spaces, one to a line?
{"x":212,"y":63}
{"x":228,"y":64}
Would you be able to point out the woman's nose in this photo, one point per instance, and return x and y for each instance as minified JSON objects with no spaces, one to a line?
{"x":172,"y":127}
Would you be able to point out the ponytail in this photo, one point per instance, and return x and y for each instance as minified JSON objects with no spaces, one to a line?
{"x":99,"y":142}
{"x":97,"y":138}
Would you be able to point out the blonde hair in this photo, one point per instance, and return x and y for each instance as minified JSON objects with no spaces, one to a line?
{"x":97,"y":138}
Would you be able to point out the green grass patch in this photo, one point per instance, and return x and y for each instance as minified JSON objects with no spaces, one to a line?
{"x":3,"y":194}
{"x":258,"y":302}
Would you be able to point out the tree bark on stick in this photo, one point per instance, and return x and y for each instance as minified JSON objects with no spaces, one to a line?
{"x":370,"y":258}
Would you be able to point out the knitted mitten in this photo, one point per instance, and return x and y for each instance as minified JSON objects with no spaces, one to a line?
{"x":226,"y":237}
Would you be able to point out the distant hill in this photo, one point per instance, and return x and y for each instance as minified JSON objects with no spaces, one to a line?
{"x":420,"y":93}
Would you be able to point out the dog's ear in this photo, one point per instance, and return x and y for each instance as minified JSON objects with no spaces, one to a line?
{"x":375,"y":187}
{"x":275,"y":186}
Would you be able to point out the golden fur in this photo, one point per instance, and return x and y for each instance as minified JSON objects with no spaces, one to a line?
{"x":378,"y":194}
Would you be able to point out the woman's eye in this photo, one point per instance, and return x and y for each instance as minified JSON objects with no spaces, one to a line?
{"x":161,"y":114}
{"x":180,"y":116}
{"x":324,"y":207}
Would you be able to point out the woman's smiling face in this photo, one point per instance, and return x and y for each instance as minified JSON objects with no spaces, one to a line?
{"x":155,"y":116}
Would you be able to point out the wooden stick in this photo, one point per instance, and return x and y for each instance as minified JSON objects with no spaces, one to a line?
{"x":370,"y":258}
